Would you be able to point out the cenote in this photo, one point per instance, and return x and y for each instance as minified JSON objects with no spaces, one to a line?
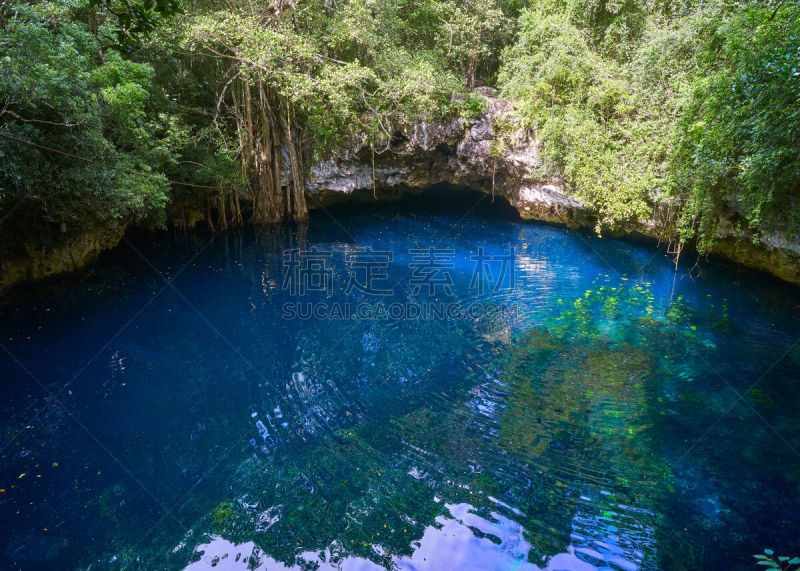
{"x":511,"y":395}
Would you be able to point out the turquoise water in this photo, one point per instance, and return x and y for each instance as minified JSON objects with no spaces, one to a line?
{"x":581,"y":406}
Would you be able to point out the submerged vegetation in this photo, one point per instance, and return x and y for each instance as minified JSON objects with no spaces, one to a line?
{"x":685,"y":112}
{"x":592,"y":415}
{"x":599,"y":406}
{"x":568,"y":427}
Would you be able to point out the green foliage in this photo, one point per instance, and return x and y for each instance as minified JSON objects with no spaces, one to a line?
{"x":358,"y":70}
{"x":135,"y":20}
{"x":771,"y":561}
{"x":161,"y":105}
{"x":739,"y":135}
{"x":61,"y":91}
{"x":583,"y":107}
{"x":686,"y":110}
{"x":57,"y":94}
{"x":688,"y":107}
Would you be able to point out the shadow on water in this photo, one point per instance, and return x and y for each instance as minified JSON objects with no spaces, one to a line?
{"x":441,"y":199}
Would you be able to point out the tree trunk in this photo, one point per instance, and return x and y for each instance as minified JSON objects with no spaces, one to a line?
{"x":222,"y":221}
{"x":236,"y":209}
{"x":209,"y":219}
{"x":269,"y":148}
{"x":295,"y":185}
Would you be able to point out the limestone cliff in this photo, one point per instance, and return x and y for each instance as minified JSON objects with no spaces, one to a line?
{"x":73,"y":254}
{"x":461,"y":152}
{"x":464,"y":153}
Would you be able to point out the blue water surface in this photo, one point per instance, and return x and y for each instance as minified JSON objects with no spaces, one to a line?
{"x":495,"y":395}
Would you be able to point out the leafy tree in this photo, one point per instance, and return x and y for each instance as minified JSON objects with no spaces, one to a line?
{"x":739,"y":135}
{"x":683,"y":112}
{"x":134,"y":20}
{"x":57,"y":94}
{"x":582,"y":106}
{"x":355,"y":72}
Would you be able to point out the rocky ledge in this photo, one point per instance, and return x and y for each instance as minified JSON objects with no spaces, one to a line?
{"x":40,"y":262}
{"x":464,"y":153}
{"x":459,"y":152}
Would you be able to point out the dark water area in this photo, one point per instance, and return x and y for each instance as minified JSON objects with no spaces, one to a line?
{"x":431,"y":384}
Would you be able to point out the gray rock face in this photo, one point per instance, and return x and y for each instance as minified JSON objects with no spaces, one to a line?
{"x":458,"y":152}
{"x":462,"y":152}
{"x":69,"y":256}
